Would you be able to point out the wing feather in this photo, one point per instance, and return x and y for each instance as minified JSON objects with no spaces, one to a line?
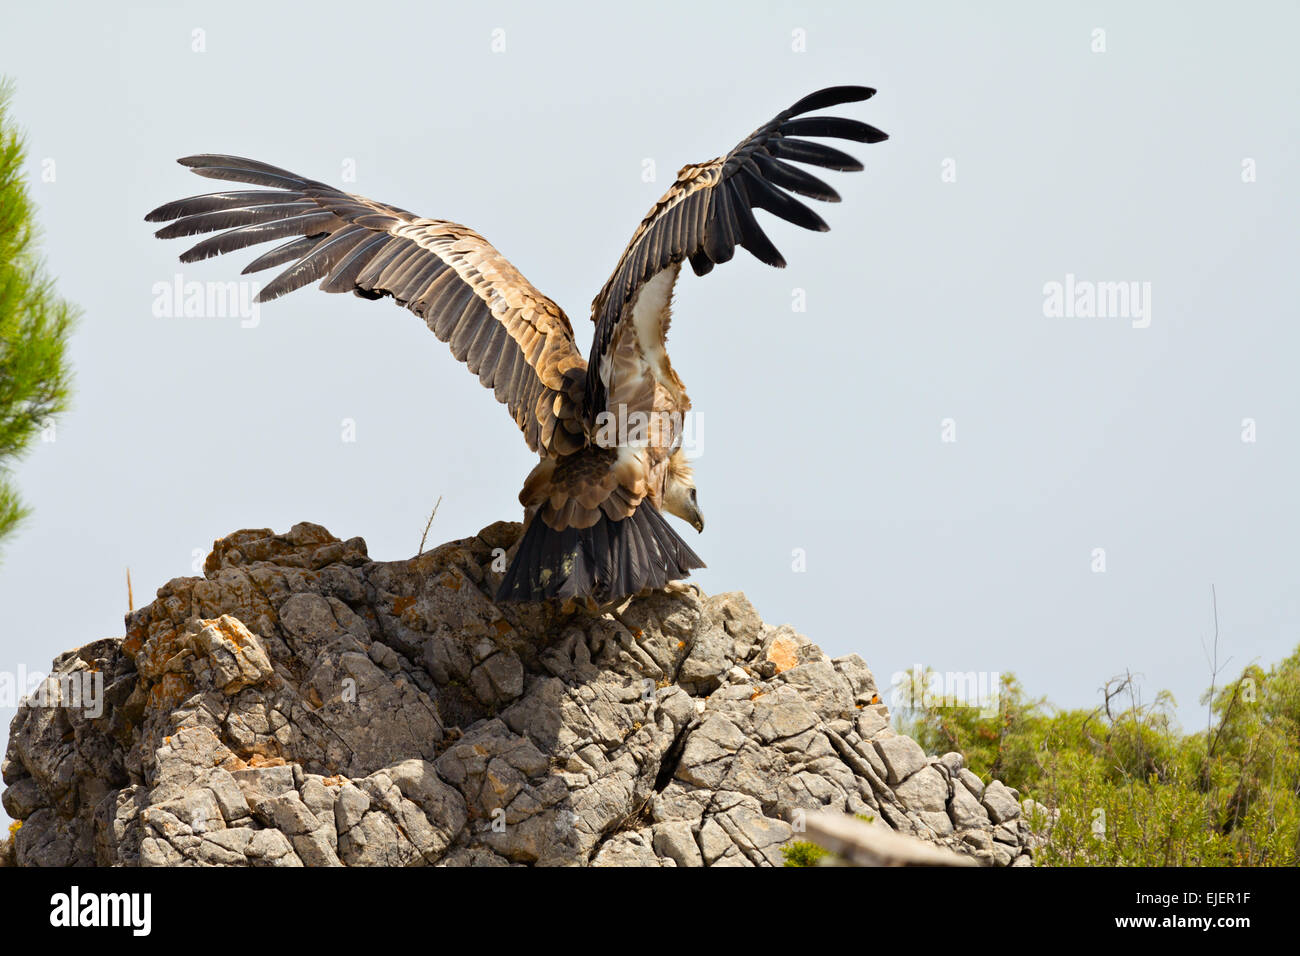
{"x":517,"y":341}
{"x":301,"y":224}
{"x":708,"y":211}
{"x":288,"y":252}
{"x":211,"y":221}
{"x":789,"y":177}
{"x":341,"y":273}
{"x":816,"y":154}
{"x":213,"y":202}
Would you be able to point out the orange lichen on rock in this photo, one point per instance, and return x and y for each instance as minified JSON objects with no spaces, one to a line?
{"x":135,"y":638}
{"x":170,"y":690}
{"x":155,"y":652}
{"x":784,"y":653}
{"x":261,"y":760}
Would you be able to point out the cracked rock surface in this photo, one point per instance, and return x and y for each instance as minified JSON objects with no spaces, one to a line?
{"x":302,"y":705}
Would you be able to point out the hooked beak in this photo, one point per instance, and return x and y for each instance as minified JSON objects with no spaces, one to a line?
{"x":697,"y":518}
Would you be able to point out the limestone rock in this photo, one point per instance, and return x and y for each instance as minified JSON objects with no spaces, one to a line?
{"x":302,"y":705}
{"x":903,"y":757}
{"x":1000,"y":802}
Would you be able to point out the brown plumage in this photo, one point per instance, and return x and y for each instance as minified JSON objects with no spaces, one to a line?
{"x":594,"y":528}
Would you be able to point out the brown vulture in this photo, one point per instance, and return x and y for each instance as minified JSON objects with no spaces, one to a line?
{"x":608,"y":428}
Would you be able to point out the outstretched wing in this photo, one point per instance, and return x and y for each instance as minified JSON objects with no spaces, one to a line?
{"x":709,"y":211}
{"x":518,"y":342}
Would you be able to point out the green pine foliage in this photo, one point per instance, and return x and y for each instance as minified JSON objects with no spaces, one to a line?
{"x":35,"y":377}
{"x":1130,"y":787}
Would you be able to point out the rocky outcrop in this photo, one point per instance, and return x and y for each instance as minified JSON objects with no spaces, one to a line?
{"x":301,"y":704}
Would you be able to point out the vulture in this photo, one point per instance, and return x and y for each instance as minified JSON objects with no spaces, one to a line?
{"x":608,"y":428}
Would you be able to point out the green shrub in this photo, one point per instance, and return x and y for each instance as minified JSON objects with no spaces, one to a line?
{"x":803,"y":853}
{"x":1131,"y":788}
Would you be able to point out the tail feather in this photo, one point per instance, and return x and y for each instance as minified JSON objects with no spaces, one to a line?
{"x":606,"y":562}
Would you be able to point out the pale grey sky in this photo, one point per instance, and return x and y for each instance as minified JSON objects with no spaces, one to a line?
{"x":822,"y":429}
